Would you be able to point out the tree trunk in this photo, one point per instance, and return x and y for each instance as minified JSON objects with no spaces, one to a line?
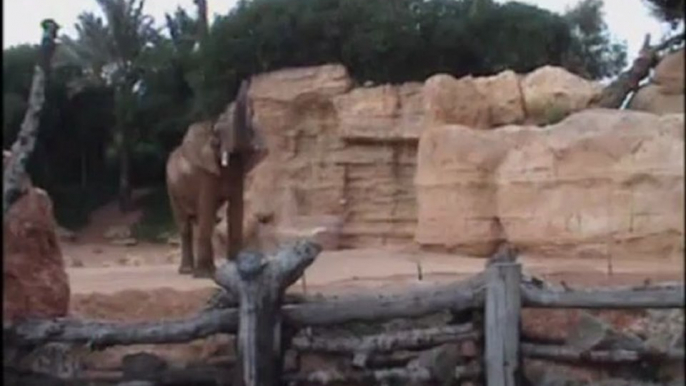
{"x":124,"y":172}
{"x":203,"y":28}
{"x":84,"y":168}
{"x":14,"y":173}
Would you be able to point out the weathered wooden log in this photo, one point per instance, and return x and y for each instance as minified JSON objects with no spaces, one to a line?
{"x":222,"y":299}
{"x":402,"y":374}
{"x":423,"y":300}
{"x":321,"y":311}
{"x":502,"y":324}
{"x":636,"y":297}
{"x":260,"y":283}
{"x":570,"y":354}
{"x":392,"y":359}
{"x":209,"y":375}
{"x":401,"y":340}
{"x":99,"y":334}
{"x":331,"y":310}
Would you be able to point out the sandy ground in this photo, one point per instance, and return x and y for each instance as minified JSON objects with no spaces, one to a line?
{"x":141,"y":283}
{"x":134,"y":282}
{"x":155,"y":266}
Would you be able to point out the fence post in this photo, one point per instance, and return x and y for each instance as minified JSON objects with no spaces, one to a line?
{"x":260,"y":282}
{"x":503,"y":306}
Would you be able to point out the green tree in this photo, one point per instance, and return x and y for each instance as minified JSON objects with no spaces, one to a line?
{"x":111,"y":51}
{"x":404,"y":40}
{"x":670,"y":11}
{"x":592,"y":52}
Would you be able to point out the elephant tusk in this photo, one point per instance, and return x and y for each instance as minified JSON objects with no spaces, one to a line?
{"x":225,"y":158}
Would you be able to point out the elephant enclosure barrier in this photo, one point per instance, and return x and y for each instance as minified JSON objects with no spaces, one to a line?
{"x":485,"y":317}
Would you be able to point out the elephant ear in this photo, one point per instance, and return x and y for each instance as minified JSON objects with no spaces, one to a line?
{"x":197,"y":147}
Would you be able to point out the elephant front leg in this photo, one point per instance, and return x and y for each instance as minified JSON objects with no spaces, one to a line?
{"x":204,"y":267}
{"x":186,"y":250}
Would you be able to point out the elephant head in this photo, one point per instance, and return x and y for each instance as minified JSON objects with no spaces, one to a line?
{"x":210,"y":145}
{"x":237,"y":133}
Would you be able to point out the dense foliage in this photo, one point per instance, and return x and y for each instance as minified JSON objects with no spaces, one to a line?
{"x":125,"y":93}
{"x":670,"y":11}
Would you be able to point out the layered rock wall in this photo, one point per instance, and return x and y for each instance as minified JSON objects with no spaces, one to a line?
{"x":337,"y":152}
{"x":344,"y":159}
{"x":600,"y":183}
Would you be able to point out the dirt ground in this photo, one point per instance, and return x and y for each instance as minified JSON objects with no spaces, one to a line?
{"x":140,"y":282}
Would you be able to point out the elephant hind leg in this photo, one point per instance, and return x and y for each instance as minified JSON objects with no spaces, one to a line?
{"x":187,"y":265}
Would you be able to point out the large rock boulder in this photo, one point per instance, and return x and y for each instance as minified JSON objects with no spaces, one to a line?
{"x":504,"y":94}
{"x":665,"y":93}
{"x":35,"y":281}
{"x":669,"y":73}
{"x":652,"y":98}
{"x":551,"y":93}
{"x":456,"y":101}
{"x":599,"y":183}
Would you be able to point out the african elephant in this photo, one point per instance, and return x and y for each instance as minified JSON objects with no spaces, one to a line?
{"x":206,"y":171}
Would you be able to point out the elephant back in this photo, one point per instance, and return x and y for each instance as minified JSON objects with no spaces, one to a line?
{"x":197,"y":147}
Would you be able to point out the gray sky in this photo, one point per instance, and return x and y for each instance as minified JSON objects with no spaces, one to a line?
{"x":628,"y":20}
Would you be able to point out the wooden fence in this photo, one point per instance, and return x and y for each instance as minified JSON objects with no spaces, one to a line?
{"x":259,"y":315}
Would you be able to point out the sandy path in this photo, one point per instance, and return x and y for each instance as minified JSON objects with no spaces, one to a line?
{"x":371,"y":267}
{"x":97,"y":266}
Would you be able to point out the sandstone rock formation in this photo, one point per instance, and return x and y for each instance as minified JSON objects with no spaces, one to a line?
{"x":669,"y":73}
{"x":456,"y":101}
{"x":550,"y":93}
{"x":540,"y":97}
{"x":350,"y":154}
{"x":600,"y":183}
{"x":35,"y":281}
{"x":381,"y":113}
{"x":665,"y":93}
{"x":504,"y":93}
{"x":651,"y":98}
{"x":336,"y":153}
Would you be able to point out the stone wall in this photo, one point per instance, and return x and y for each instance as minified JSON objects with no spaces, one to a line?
{"x":600,"y":183}
{"x":344,"y":158}
{"x":339,"y":152}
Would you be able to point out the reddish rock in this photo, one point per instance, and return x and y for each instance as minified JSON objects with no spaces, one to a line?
{"x":35,"y":280}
